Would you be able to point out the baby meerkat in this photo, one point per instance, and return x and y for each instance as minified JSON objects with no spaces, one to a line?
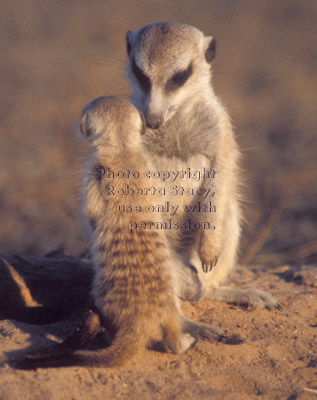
{"x":134,"y":290}
{"x":133,"y":287}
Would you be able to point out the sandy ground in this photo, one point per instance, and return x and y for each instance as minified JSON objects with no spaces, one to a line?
{"x":273,"y":355}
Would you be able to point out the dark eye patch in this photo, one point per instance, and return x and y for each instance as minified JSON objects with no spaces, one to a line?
{"x":143,"y":80}
{"x":179,"y":79}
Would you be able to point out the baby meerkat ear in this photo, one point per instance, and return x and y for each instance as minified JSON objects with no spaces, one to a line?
{"x":84,"y":126}
{"x":129,"y":42}
{"x":210,"y":48}
{"x":143,"y":129}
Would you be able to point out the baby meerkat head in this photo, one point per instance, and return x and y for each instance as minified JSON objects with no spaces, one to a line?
{"x":111,"y":122}
{"x":169,"y":64}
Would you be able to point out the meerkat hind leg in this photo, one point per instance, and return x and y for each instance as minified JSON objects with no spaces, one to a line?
{"x":201,"y":331}
{"x":243,"y":297}
{"x":88,"y":330}
{"x":174,"y":339}
{"x":212,"y":280}
{"x":187,"y":341}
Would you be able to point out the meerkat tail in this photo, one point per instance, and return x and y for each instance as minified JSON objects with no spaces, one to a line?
{"x":123,"y":348}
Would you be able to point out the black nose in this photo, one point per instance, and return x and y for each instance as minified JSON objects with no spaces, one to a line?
{"x":153,"y":121}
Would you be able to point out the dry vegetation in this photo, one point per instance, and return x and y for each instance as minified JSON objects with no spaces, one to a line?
{"x":58,"y":55}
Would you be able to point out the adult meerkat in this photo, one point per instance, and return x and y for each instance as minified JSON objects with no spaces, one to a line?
{"x":134,"y":289}
{"x":188,"y":129}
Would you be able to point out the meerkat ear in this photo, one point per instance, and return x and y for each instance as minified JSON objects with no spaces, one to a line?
{"x":210,"y":48}
{"x":129,"y":42}
{"x":84,"y":126}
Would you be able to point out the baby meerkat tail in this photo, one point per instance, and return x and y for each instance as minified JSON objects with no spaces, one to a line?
{"x":124,"y":347}
{"x":80,"y":338}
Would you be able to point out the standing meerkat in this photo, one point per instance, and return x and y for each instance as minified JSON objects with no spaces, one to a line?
{"x":188,"y":129}
{"x":134,"y":288}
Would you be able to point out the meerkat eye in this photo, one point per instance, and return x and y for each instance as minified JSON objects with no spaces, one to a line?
{"x":143,"y":80}
{"x":179,"y":79}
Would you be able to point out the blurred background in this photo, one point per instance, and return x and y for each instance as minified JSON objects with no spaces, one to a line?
{"x":56,"y":56}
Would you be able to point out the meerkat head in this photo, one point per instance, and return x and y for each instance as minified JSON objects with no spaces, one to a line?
{"x":111,"y":122}
{"x":169,"y":64}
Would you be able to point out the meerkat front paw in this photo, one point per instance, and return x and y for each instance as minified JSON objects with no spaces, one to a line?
{"x":209,"y":254}
{"x":207,"y":267}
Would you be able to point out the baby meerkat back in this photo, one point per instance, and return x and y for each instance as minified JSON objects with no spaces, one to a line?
{"x":133,"y":285}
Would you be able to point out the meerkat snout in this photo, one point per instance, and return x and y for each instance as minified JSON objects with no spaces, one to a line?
{"x":153,"y":121}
